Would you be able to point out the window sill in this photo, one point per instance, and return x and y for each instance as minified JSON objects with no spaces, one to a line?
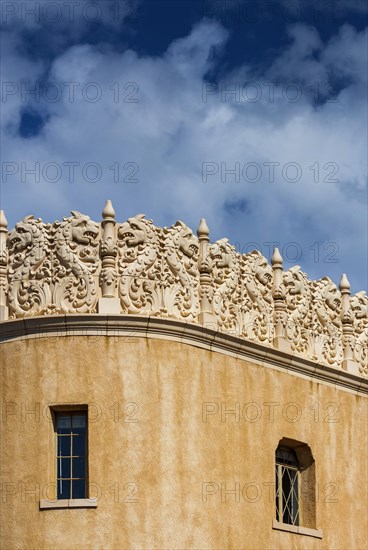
{"x":317,"y":533}
{"x":68,"y":503}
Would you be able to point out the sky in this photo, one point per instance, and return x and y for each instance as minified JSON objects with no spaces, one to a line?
{"x":252,"y":114}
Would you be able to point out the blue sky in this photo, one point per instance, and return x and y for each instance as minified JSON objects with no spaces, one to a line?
{"x":252,"y":114}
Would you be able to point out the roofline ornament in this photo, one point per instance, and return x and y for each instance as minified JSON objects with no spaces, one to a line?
{"x":78,"y":266}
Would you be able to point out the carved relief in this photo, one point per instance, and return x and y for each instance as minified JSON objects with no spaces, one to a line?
{"x":180,"y":276}
{"x":108,"y":274}
{"x":76,"y":260}
{"x":225,"y":276}
{"x":169,"y":272}
{"x":29,"y":291}
{"x":359,"y":307}
{"x":256,"y":300}
{"x":314,"y":326}
{"x":298,"y":306}
{"x":325,"y":324}
{"x":138,"y":244}
{"x":4,"y":261}
{"x":158,"y":269}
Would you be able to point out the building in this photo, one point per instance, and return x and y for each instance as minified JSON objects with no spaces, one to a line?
{"x":162,"y":391}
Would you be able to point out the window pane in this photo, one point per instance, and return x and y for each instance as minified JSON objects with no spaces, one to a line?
{"x":286,"y":456}
{"x":290,"y":495}
{"x":71,"y":442}
{"x":78,"y":421}
{"x":79,"y":488}
{"x":79,"y":444}
{"x":64,"y":445}
{"x":79,"y":467}
{"x":64,"y":421}
{"x":63,"y":488}
{"x":287,"y":478}
{"x":294,"y":499}
{"x":63,"y":467}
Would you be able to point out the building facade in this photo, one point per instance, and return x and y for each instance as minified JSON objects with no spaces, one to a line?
{"x":160,"y":391}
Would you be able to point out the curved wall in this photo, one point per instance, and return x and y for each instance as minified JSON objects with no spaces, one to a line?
{"x":171,"y":464}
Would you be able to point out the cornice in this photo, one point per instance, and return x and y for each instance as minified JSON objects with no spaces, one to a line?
{"x":131,"y":327}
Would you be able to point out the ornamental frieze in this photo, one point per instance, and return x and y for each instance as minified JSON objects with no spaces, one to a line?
{"x":78,"y":265}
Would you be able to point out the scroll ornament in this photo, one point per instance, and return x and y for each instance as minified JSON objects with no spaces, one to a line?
{"x":359,"y":307}
{"x":29,"y":273}
{"x":227,"y":292}
{"x":157,"y":269}
{"x":71,"y":266}
{"x":256,"y":298}
{"x":76,"y":260}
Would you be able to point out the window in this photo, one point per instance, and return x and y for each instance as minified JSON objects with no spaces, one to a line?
{"x":68,"y":459}
{"x":71,"y":454}
{"x":287,"y":486}
{"x":295,"y":476}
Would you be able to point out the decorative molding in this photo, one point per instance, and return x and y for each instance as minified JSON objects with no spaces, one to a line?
{"x":4,"y":310}
{"x":131,"y":327}
{"x":136,"y":268}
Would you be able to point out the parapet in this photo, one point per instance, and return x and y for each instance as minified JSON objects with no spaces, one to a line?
{"x":80,"y":266}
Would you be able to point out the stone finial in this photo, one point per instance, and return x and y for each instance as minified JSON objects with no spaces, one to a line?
{"x":3,"y":220}
{"x":280,"y":313}
{"x":206,"y":316}
{"x":204,"y":256}
{"x":347,"y":327}
{"x":344,"y":284}
{"x":276,"y":258}
{"x":108,"y":303}
{"x":108,"y":212}
{"x":203,"y":230}
{"x":344,"y":287}
{"x":277,"y":267}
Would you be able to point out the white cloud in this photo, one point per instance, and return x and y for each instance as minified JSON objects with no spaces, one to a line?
{"x":170,"y":132}
{"x":299,"y":62}
{"x":345,"y":54}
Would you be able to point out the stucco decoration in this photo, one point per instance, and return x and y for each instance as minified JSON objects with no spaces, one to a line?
{"x":256,"y":299}
{"x":158,"y":269}
{"x":108,"y":252}
{"x":79,"y":266}
{"x":314,"y":317}
{"x":4,"y":310}
{"x":359,"y":307}
{"x":226,"y":276}
{"x":138,"y":243}
{"x":326,"y":327}
{"x":76,"y":261}
{"x":298,"y":299}
{"x":29,"y":270}
{"x":180,"y":275}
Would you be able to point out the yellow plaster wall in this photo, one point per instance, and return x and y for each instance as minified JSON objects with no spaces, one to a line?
{"x":162,"y":448}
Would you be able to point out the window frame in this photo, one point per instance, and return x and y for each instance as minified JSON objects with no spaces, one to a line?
{"x":72,"y":458}
{"x":52,"y":501}
{"x":304,"y":463}
{"x":282,"y":508}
